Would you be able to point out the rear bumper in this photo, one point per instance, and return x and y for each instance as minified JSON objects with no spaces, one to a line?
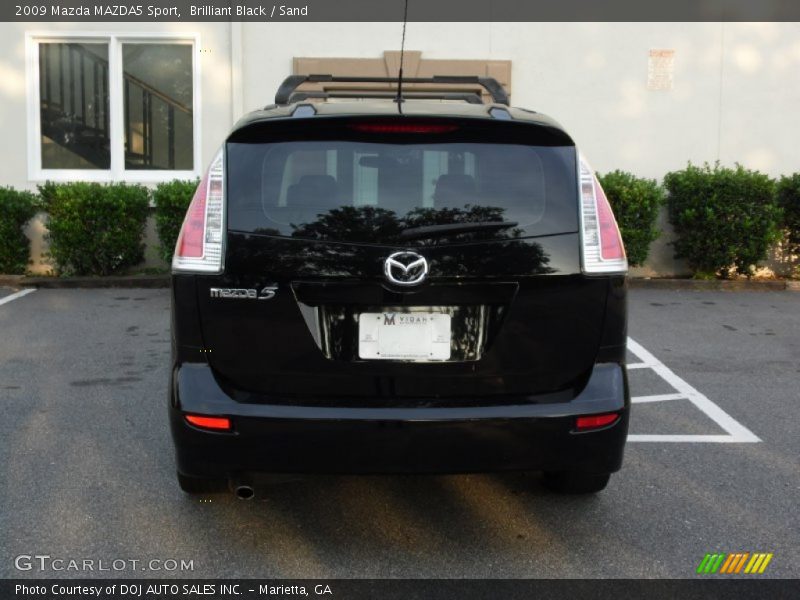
{"x":301,"y":439}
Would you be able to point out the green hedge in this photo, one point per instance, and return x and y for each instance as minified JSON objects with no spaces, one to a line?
{"x":725,"y":219}
{"x":636,"y":203}
{"x":95,"y":229}
{"x":16,"y":209}
{"x":788,"y":194}
{"x":171,"y":200}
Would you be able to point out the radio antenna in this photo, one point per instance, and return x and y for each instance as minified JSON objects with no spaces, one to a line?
{"x":399,"y":98}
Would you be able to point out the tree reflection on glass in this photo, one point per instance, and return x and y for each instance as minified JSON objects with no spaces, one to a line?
{"x":371,"y":226}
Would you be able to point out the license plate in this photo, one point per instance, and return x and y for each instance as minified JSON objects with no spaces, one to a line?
{"x":404,"y":336}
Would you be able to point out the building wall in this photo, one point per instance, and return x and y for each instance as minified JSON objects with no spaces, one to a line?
{"x":215,"y":93}
{"x":216,"y":114}
{"x":736,"y":85}
{"x":735,"y":95}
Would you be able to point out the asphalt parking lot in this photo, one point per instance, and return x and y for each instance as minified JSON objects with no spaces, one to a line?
{"x":713,"y":463}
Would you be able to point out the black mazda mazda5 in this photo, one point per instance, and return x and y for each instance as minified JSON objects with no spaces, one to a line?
{"x":430,"y":285}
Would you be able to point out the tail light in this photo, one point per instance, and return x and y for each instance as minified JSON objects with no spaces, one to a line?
{"x":199,"y":246}
{"x":603,"y":251}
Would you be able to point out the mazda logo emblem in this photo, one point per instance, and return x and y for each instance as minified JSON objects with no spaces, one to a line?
{"x":405,"y":268}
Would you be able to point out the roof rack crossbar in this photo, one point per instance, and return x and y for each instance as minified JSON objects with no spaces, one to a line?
{"x":490,"y":84}
{"x":469,"y":97}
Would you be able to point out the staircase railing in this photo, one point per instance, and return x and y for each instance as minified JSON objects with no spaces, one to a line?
{"x":75,"y":107}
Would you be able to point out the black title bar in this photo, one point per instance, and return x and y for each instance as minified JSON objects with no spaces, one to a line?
{"x":392,"y":10}
{"x":744,"y":588}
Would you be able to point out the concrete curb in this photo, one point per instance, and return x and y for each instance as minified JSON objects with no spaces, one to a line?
{"x":114,"y":281}
{"x":12,"y":280}
{"x":162,"y":281}
{"x":717,"y":285}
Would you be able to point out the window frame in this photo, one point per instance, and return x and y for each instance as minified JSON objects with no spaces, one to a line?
{"x":117,"y":170}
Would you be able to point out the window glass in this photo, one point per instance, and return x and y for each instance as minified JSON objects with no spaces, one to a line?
{"x":355,"y":190}
{"x":157,"y":80}
{"x":73,"y":106}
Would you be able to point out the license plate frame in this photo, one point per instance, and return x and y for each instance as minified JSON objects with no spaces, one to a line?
{"x":405,"y":336}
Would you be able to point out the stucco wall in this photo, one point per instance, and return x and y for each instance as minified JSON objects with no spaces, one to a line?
{"x":735,"y":95}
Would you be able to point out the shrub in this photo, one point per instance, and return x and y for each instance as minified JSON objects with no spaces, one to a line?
{"x":95,"y":229}
{"x":16,"y":209}
{"x":171,"y":200}
{"x":788,"y":194}
{"x":725,"y":219}
{"x":636,"y":203}
{"x":46,"y":192}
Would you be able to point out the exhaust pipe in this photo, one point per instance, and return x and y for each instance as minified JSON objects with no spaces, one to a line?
{"x":244,"y":485}
{"x":242,"y":488}
{"x":244,"y":492}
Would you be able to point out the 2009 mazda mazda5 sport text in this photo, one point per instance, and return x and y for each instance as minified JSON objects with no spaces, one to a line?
{"x":429,"y":286}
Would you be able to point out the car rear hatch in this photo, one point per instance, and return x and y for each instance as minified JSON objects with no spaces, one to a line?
{"x":314,"y":207}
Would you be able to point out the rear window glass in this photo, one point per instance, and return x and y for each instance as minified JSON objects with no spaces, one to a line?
{"x":371,"y":191}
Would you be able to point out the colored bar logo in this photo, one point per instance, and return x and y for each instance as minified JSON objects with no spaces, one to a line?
{"x":735,"y":563}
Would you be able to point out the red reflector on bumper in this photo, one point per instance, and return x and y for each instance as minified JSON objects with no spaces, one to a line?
{"x":595,"y":421}
{"x":217,"y":423}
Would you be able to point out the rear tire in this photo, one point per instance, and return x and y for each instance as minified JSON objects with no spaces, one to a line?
{"x":201,"y":485}
{"x":576,"y":482}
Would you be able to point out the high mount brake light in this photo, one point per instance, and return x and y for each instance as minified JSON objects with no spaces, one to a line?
{"x":199,"y":246}
{"x":601,"y":242}
{"x":403,"y":127}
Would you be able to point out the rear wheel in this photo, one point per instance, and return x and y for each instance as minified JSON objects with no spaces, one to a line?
{"x":576,"y":482}
{"x":201,"y":485}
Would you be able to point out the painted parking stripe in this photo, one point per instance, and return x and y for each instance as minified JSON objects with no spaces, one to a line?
{"x":16,"y":295}
{"x":736,"y":432}
{"x":657,"y":398}
{"x":686,"y":437}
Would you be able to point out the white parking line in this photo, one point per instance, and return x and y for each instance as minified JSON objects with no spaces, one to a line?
{"x":689,"y":437}
{"x":16,"y":295}
{"x":657,"y":398}
{"x":736,"y":431}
